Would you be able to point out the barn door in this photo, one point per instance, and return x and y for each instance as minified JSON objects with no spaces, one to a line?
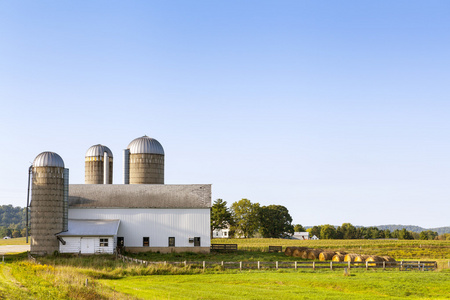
{"x":87,"y":245}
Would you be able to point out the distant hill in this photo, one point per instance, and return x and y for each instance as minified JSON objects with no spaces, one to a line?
{"x":414,"y":228}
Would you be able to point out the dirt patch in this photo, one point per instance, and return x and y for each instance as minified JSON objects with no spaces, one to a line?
{"x":14,"y":248}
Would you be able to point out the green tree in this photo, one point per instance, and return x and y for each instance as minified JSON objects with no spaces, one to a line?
{"x":428,"y":235}
{"x":314,"y":231}
{"x":404,"y":235}
{"x":348,"y":231}
{"x":299,"y":228}
{"x":245,"y":217}
{"x":327,"y":232}
{"x":275,"y":222}
{"x":220,"y":215}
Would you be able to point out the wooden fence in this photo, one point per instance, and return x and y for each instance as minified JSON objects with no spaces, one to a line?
{"x":276,"y":265}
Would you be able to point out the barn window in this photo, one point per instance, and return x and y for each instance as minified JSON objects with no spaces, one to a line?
{"x":196,"y":241}
{"x":146,"y":241}
{"x":172,"y":241}
{"x":103,"y":242}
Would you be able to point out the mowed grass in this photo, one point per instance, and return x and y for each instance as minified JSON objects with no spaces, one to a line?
{"x":63,"y":277}
{"x":288,"y":285}
{"x":15,"y":241}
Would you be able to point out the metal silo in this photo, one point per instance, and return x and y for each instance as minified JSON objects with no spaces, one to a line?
{"x":98,"y":165}
{"x":48,"y":202}
{"x":144,"y":162}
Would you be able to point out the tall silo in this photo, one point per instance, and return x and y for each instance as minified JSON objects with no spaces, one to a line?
{"x":48,"y":202}
{"x":95,"y":166}
{"x":144,"y":162}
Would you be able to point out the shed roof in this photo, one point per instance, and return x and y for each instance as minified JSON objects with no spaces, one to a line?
{"x":139,"y":196}
{"x":78,"y":227}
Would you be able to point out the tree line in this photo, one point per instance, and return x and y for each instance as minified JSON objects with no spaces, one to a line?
{"x":348,"y":231}
{"x":12,"y":221}
{"x":247,"y":219}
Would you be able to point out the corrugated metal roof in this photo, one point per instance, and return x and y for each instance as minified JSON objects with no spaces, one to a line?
{"x":139,"y":196}
{"x":48,"y":159}
{"x":98,"y":150}
{"x":145,"y":144}
{"x":79,"y":227}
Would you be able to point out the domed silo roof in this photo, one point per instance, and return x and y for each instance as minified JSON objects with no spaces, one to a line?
{"x":145,"y":144}
{"x":98,"y":150}
{"x":48,"y":159}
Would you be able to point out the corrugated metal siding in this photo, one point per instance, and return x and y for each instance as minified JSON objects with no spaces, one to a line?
{"x":158,"y":224}
{"x":73,"y":245}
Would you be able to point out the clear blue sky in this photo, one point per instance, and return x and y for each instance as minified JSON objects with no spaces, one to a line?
{"x":338,"y":110}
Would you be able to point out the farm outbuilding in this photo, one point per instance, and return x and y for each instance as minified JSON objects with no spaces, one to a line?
{"x":89,"y":236}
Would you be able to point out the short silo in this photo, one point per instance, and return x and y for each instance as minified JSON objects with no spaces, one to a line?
{"x":48,"y":202}
{"x":144,"y":162}
{"x":98,"y":162}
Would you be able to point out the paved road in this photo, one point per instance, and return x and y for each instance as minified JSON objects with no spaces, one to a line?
{"x":14,"y":248}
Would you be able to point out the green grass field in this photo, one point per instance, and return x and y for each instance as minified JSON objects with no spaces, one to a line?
{"x":398,"y":249}
{"x":64,"y":277}
{"x":16,"y":241}
{"x":288,"y":285}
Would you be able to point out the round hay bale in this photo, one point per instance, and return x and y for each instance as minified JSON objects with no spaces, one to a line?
{"x":298,"y":251}
{"x":338,"y":257}
{"x":374,"y":258}
{"x":361,"y":258}
{"x":288,"y":251}
{"x":341,"y":252}
{"x":350,"y":257}
{"x":388,"y":258}
{"x":314,"y":254}
{"x":326,"y":255}
{"x":304,"y":253}
{"x":389,"y":261}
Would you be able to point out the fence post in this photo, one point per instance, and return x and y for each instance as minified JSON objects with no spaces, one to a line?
{"x":367,"y":265}
{"x":401,"y":265}
{"x":384,"y":265}
{"x":240,"y":265}
{"x":276,"y":264}
{"x":3,"y":259}
{"x":223,"y":264}
{"x":185,"y":263}
{"x":314,"y":265}
{"x":259,"y":265}
{"x":295,"y":264}
{"x":331,"y":265}
{"x":204,"y":265}
{"x":349,"y":265}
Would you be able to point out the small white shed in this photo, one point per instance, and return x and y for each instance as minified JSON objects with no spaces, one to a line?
{"x":89,"y":236}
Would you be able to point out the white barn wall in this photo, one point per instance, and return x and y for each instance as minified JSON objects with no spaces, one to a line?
{"x":73,"y":245}
{"x":158,"y":224}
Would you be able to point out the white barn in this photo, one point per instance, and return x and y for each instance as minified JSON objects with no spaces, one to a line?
{"x":138,"y":217}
